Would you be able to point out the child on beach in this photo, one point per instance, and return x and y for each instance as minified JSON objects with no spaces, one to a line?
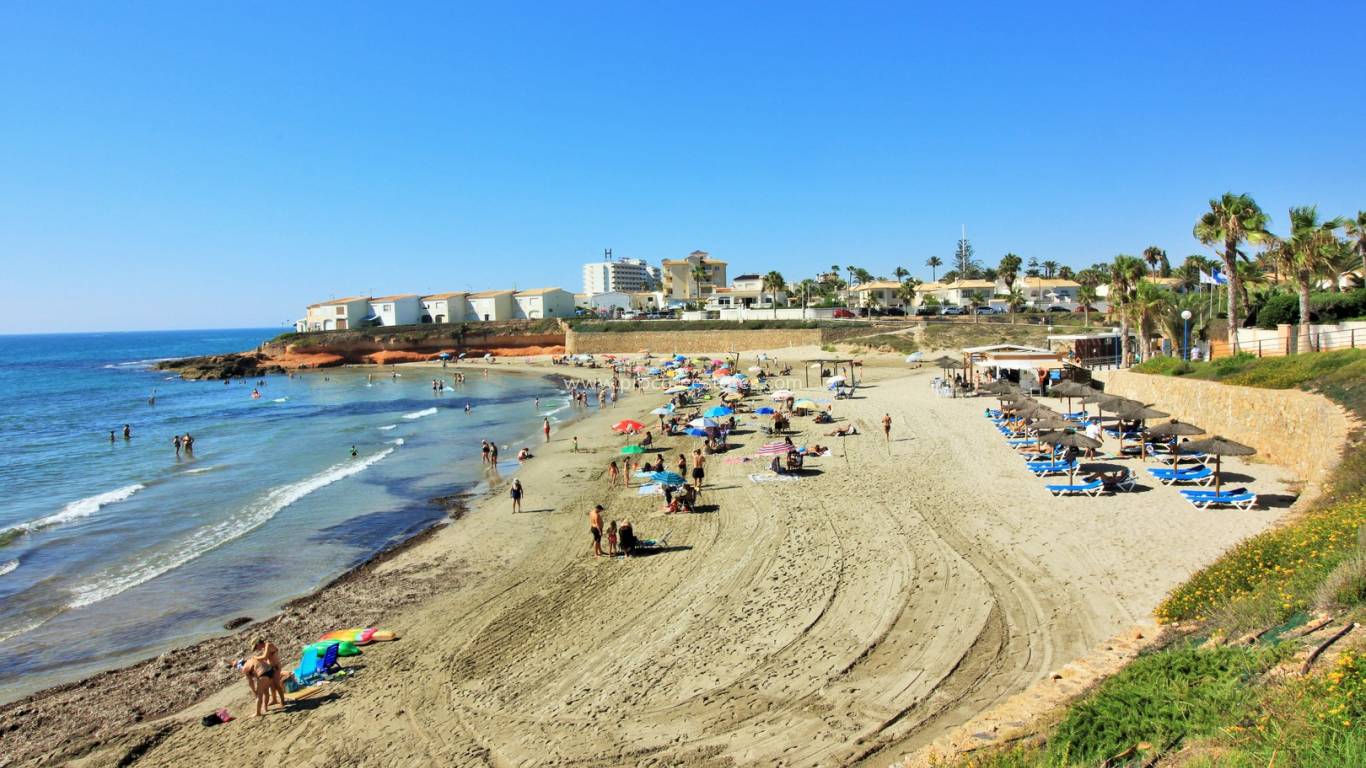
{"x":612,"y":473}
{"x":612,"y":539}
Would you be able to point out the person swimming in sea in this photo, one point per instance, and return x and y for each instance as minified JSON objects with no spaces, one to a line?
{"x":127,"y":432}
{"x":353,"y":452}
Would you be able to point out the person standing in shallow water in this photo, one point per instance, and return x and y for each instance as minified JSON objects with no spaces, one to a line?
{"x":175,"y":441}
{"x":127,"y":432}
{"x":546,"y":428}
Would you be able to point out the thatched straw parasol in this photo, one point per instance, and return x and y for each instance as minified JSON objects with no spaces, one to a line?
{"x":1219,"y":447}
{"x":1069,"y":438}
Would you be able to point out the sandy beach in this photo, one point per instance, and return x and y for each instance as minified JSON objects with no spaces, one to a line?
{"x":845,"y":617}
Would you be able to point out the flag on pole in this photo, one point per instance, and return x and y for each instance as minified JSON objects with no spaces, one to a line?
{"x":1213,"y":277}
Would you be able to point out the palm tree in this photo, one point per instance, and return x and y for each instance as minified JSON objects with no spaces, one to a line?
{"x":1149,"y":303}
{"x":1015,"y":301}
{"x":774,"y":282}
{"x":1356,"y":230}
{"x":853,"y":274}
{"x":900,"y":274}
{"x":699,"y":274}
{"x":1050,"y":268}
{"x":907,"y":292}
{"x":1088,"y":277}
{"x":1008,"y":270}
{"x":1230,"y":221}
{"x":1065,"y":272}
{"x":1154,"y":256}
{"x":1125,"y":273}
{"x":975,"y":300}
{"x":934,"y":263}
{"x":1087,"y":296}
{"x":1309,"y":253}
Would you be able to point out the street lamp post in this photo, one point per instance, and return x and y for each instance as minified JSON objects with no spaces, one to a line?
{"x":1186,"y":347}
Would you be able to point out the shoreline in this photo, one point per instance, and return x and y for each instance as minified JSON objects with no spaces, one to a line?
{"x":360,"y":584}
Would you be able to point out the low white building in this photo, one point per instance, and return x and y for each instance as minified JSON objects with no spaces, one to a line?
{"x":609,"y":302}
{"x":399,"y":309}
{"x":450,"y":307}
{"x":542,"y":303}
{"x":335,"y":314}
{"x":491,"y":306}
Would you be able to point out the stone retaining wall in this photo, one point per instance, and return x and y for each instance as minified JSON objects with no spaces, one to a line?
{"x":1303,"y":432}
{"x":689,"y":341}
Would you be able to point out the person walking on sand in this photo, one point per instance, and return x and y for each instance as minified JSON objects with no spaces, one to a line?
{"x":546,"y":428}
{"x":613,"y":473}
{"x":516,"y":494}
{"x":887,"y":426}
{"x":595,"y":528}
{"x":575,"y":448}
{"x":698,"y":475}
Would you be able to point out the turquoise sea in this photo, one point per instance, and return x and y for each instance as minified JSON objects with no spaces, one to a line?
{"x":115,"y":550}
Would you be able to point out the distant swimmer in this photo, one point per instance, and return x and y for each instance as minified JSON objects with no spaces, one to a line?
{"x":111,"y":435}
{"x":175,"y":441}
{"x":255,"y":394}
{"x":127,"y":432}
{"x":467,"y":408}
{"x":187,"y":443}
{"x":354,"y":453}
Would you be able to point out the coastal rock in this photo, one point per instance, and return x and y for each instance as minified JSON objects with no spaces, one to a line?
{"x":240,"y":621}
{"x":246,"y":365}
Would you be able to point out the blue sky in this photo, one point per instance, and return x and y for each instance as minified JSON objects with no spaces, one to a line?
{"x":189,"y":165}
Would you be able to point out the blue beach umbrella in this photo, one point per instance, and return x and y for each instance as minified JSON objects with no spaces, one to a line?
{"x":695,"y":432}
{"x":764,"y":411}
{"x":718,"y":411}
{"x":697,"y":385}
{"x":653,"y":371}
{"x":667,"y":478}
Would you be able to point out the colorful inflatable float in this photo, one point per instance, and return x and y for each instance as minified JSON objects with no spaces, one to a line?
{"x":361,"y":635}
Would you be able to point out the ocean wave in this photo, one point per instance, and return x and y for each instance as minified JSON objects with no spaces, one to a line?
{"x":395,"y":441}
{"x":199,"y":470}
{"x":6,"y":634}
{"x":77,"y":509}
{"x":211,"y":537}
{"x":280,"y":400}
{"x":388,"y":427}
{"x":419,"y":414}
{"x":8,"y":567}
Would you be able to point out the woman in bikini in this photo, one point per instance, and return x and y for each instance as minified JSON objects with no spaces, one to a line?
{"x":264,"y":676}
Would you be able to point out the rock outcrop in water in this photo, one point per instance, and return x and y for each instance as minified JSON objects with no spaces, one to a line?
{"x":232,"y":366}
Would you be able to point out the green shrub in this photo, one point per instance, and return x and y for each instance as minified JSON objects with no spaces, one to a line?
{"x":1324,"y":307}
{"x":1346,"y":585}
{"x":1184,"y":691}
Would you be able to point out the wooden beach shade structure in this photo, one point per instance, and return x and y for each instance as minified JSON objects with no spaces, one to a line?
{"x":1069,"y":438}
{"x":1175,"y":429}
{"x":819,"y":363}
{"x":1219,"y":447}
{"x":1069,"y":390}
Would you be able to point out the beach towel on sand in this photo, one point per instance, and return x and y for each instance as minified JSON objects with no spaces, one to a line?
{"x":773,"y":478}
{"x":650,"y":490}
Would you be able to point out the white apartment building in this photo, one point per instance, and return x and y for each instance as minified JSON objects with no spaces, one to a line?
{"x":619,"y":275}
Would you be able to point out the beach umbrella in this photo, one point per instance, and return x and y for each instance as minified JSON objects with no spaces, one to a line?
{"x":627,"y":425}
{"x":697,"y":385}
{"x":1174,"y":429}
{"x":763,"y":410}
{"x":663,"y":410}
{"x":838,"y":379}
{"x":653,"y":371}
{"x":718,"y":411}
{"x":1070,"y":438}
{"x":782,"y":394}
{"x":1140,"y":412}
{"x":915,"y":357}
{"x":632,"y":449}
{"x":805,"y":404}
{"x":695,"y":432}
{"x":462,"y":354}
{"x":667,"y":478}
{"x":1052,"y":424}
{"x":488,"y":355}
{"x":773,"y":449}
{"x":444,"y":356}
{"x":755,"y":369}
{"x":1069,"y":390}
{"x":702,"y":423}
{"x":1219,"y":447}
{"x":733,"y":396}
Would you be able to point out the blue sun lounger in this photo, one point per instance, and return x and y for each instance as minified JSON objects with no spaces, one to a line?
{"x":1241,"y":499}
{"x":1092,"y":488}
{"x":1199,"y":476}
{"x":313,"y":668}
{"x":1042,"y":468}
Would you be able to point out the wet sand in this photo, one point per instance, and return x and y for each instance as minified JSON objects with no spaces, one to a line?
{"x":892,"y":592}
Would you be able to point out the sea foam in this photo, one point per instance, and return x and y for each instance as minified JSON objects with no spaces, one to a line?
{"x":419,"y":414}
{"x":210,"y":537}
{"x":79,"y":508}
{"x":8,"y":567}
